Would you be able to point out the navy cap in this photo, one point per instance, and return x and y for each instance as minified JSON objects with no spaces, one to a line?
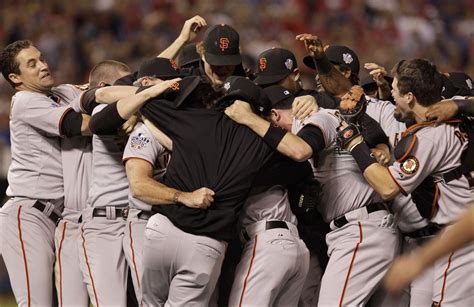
{"x":274,"y":65}
{"x":241,"y":88}
{"x":279,"y":96}
{"x":162,"y":68}
{"x":188,"y":56}
{"x":338,"y":55}
{"x":221,"y":46}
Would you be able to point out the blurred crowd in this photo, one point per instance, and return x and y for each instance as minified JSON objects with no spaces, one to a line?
{"x":75,"y":35}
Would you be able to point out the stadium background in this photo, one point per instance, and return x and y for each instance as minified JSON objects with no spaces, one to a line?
{"x":75,"y":35}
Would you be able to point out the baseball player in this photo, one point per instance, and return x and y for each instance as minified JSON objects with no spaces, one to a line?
{"x":417,"y":85}
{"x":76,"y":153}
{"x":363,"y":240}
{"x":104,"y":221}
{"x":40,"y":115}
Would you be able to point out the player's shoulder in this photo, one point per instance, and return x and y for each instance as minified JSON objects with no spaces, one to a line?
{"x":22,"y":99}
{"x":67,"y":92}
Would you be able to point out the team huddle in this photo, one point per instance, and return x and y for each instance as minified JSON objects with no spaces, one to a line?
{"x":208,"y":183}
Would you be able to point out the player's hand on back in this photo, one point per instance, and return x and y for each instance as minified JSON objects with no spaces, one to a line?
{"x":312,"y":43}
{"x":442,"y":111}
{"x":304,"y":106}
{"x":191,"y":27}
{"x":200,"y":198}
{"x":240,"y":112}
{"x":160,"y":87}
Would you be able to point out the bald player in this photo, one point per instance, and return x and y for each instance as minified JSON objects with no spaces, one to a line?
{"x":363,"y":240}
{"x":76,"y":153}
{"x":426,"y":158}
{"x":40,"y":117}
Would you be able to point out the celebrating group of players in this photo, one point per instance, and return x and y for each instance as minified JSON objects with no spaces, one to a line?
{"x":211,"y":184}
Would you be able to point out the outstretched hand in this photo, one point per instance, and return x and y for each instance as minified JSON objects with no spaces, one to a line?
{"x":304,"y":106}
{"x":312,"y":43}
{"x":160,"y":87}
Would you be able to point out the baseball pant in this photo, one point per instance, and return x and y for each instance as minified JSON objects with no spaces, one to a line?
{"x":27,"y":248}
{"x":454,"y":278}
{"x":360,"y":252}
{"x":310,"y":293}
{"x":70,"y":285}
{"x":133,"y":248}
{"x":102,"y":259}
{"x":179,"y":269}
{"x":272,"y":269}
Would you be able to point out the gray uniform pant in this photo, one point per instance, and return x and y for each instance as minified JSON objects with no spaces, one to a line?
{"x":179,"y":269}
{"x":273,"y":268}
{"x":454,"y":278}
{"x":102,"y":259}
{"x":27,"y":248}
{"x":70,"y":285}
{"x":360,"y":253}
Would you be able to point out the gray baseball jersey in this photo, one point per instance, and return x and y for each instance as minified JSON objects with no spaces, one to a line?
{"x":278,"y":253}
{"x":336,"y":170}
{"x":27,"y":234}
{"x":35,"y":125}
{"x":109,"y":185}
{"x":142,"y":145}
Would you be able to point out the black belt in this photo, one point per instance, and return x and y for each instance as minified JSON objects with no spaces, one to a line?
{"x":53,"y":216}
{"x":102,"y":212}
{"x":341,"y":221}
{"x":429,"y":230}
{"x":145,"y":215}
{"x":268,"y":225}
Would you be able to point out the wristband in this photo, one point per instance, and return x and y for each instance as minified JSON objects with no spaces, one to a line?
{"x":176,"y":196}
{"x":364,"y":158}
{"x":323,"y":64}
{"x":273,"y":136}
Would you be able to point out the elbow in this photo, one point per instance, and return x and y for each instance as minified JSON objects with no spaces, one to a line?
{"x":300,"y":155}
{"x":101,"y":95}
{"x":136,"y":190}
{"x":389,"y":193}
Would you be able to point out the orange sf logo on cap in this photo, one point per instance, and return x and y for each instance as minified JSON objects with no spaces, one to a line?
{"x":174,"y":86}
{"x":262,"y":64}
{"x":173,"y":64}
{"x":224,"y":43}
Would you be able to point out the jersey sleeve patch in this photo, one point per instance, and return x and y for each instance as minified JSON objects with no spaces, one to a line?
{"x":410,"y":166}
{"x":139,"y":141}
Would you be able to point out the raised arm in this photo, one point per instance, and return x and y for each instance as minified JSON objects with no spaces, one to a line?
{"x":331,"y":79}
{"x":188,"y":33}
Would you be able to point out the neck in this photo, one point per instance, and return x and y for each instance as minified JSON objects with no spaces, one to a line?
{"x":419,"y":111}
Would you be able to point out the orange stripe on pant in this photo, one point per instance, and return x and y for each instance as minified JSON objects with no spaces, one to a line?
{"x":445,"y":278}
{"x":250,"y":269}
{"x":60,"y":266}
{"x":350,"y":267}
{"x":133,"y":254}
{"x":88,"y":266}
{"x":20,"y":235}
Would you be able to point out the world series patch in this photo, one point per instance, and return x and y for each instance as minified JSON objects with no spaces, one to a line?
{"x":139,"y":141}
{"x":410,"y":165}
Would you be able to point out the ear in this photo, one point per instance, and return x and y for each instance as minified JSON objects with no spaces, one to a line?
{"x":346,"y":73}
{"x":102,"y":84}
{"x":274,"y":116}
{"x":16,"y":79}
{"x":411,"y":99}
{"x":296,"y":74}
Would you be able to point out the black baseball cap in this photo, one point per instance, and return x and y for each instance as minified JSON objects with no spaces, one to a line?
{"x":180,"y":90}
{"x":462,"y":81}
{"x":338,"y":55}
{"x":279,"y":96}
{"x":274,"y":65}
{"x":162,"y":68}
{"x":368,"y":81}
{"x":237,"y":87}
{"x":188,"y":55}
{"x":221,"y":46}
